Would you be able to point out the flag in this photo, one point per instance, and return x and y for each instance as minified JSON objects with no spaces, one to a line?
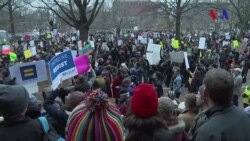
{"x":6,"y":49}
{"x":225,"y":14}
{"x":13,"y":56}
{"x":27,"y":54}
{"x":213,"y":14}
{"x":86,"y":50}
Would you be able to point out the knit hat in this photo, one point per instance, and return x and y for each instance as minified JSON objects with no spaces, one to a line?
{"x":13,"y":100}
{"x":144,"y":102}
{"x":95,"y":119}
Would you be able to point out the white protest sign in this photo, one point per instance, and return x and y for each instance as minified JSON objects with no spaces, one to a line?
{"x":150,"y":40}
{"x":132,"y":35}
{"x":186,"y":60}
{"x":74,"y":53}
{"x":73,"y":38}
{"x":228,"y":37}
{"x":33,"y":51}
{"x":41,"y":44}
{"x":245,"y":39}
{"x":92,"y":43}
{"x":202,"y":43}
{"x":177,"y":57}
{"x":31,"y":72}
{"x":119,"y":42}
{"x":32,"y":43}
{"x":144,"y":40}
{"x":79,"y":44}
{"x":153,"y":54}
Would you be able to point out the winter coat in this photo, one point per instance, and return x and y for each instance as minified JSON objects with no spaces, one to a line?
{"x":178,"y":131}
{"x":24,"y":130}
{"x":224,"y":124}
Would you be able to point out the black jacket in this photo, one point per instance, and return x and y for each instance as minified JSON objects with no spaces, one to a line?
{"x":224,"y":124}
{"x":24,"y":130}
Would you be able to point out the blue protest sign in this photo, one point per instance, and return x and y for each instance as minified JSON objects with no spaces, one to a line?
{"x":61,"y":67}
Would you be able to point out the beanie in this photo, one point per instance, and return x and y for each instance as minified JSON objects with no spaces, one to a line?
{"x":144,"y":102}
{"x":95,"y":119}
{"x":13,"y":100}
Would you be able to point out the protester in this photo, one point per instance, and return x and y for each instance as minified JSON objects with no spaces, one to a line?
{"x":222,"y":124}
{"x":95,"y":119}
{"x":237,"y":85}
{"x":144,"y":122}
{"x":14,"y":101}
{"x":191,"y":110}
{"x":167,"y":110}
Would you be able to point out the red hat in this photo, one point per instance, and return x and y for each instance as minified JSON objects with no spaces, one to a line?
{"x":144,"y":102}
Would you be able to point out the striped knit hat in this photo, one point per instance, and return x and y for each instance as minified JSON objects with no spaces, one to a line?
{"x":95,"y":119}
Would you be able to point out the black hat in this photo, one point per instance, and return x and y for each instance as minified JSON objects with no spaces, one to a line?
{"x":13,"y":100}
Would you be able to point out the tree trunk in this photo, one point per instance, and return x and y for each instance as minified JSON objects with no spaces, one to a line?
{"x":178,"y":26}
{"x":84,"y":33}
{"x":12,"y":22}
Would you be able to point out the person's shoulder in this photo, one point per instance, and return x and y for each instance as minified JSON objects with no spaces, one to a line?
{"x":163,"y":135}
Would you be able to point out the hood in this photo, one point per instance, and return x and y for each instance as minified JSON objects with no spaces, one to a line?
{"x":179,"y":127}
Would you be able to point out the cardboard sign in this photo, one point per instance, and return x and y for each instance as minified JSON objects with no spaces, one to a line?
{"x":61,"y":67}
{"x":177,"y":57}
{"x":31,"y":72}
{"x":153,"y":54}
{"x":202,"y":43}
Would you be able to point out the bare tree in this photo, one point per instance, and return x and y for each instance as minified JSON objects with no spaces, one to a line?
{"x":241,"y":10}
{"x":79,"y":14}
{"x":177,"y":8}
{"x":4,"y":3}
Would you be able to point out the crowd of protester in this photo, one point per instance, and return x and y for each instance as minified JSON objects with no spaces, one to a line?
{"x":123,"y":97}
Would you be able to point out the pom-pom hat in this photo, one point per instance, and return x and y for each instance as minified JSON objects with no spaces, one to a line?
{"x":144,"y":102}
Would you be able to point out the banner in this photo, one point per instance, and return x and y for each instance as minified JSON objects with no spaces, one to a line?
{"x":61,"y":67}
{"x":31,"y":72}
{"x":177,"y":57}
{"x":153,"y":54}
{"x":202,"y":43}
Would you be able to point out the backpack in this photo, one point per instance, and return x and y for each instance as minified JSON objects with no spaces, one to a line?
{"x":49,"y":132}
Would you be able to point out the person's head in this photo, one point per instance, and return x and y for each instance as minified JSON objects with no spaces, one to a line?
{"x":13,"y":101}
{"x":219,"y":87}
{"x":176,"y":70}
{"x":74,"y":98}
{"x":95,"y":119}
{"x":200,"y":99}
{"x":126,"y":81}
{"x":167,"y":110}
{"x":190,"y":102}
{"x":143,"y":118}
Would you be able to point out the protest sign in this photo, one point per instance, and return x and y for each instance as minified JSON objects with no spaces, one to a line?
{"x":176,"y":44}
{"x":228,"y":37}
{"x":186,"y":60}
{"x":79,"y":44}
{"x":6,"y":49}
{"x":32,"y":43}
{"x":86,"y":50}
{"x":150,"y":41}
{"x":235,"y":43}
{"x":33,"y":51}
{"x":13,"y":56}
{"x":27,"y":54}
{"x":153,"y":54}
{"x":41,"y":44}
{"x":119,"y":42}
{"x":82,"y":64}
{"x":61,"y":67}
{"x":31,"y":72}
{"x":202,"y":43}
{"x":92,"y":43}
{"x":224,"y":43}
{"x":177,"y":57}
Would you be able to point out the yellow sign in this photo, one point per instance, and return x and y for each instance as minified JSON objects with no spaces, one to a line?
{"x":176,"y":44}
{"x":236,"y":43}
{"x":27,"y":54}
